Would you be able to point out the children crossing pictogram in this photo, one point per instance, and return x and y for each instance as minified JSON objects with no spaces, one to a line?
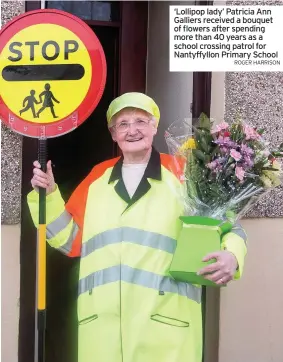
{"x":30,"y":101}
{"x":47,"y":102}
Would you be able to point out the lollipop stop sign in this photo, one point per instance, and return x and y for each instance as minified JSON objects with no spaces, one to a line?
{"x":52,"y":73}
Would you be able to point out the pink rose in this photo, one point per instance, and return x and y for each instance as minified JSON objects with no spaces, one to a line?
{"x":240,"y":173}
{"x":251,"y":133}
{"x":236,"y":155}
{"x":220,"y":127}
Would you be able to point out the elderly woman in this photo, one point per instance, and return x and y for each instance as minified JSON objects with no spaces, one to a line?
{"x":122,"y":221}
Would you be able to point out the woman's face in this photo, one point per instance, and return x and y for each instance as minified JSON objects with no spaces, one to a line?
{"x":133,"y":130}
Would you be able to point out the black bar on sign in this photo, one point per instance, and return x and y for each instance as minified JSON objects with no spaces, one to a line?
{"x":43,"y":72}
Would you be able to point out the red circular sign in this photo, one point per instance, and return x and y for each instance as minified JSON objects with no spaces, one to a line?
{"x":52,"y":73}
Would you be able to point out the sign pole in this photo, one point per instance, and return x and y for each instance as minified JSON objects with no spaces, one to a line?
{"x":41,"y":256}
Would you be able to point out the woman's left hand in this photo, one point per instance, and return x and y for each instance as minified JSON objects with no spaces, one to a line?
{"x":223,"y":270}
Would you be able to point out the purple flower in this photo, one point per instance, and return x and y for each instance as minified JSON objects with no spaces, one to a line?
{"x":248,"y":162}
{"x":222,"y":140}
{"x":246,"y":150}
{"x":225,"y":141}
{"x":214,"y":166}
{"x":221,"y":160}
{"x":223,"y":150}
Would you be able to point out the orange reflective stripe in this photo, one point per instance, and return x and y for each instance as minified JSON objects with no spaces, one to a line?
{"x":174,"y":164}
{"x":77,"y":202}
{"x":76,"y":245}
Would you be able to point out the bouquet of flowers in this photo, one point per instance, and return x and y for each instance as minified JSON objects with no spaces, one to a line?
{"x":224,"y":169}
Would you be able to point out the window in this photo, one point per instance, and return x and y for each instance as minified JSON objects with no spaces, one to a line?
{"x":89,"y":10}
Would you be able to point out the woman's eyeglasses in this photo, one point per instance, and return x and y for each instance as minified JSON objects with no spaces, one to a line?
{"x":140,"y":124}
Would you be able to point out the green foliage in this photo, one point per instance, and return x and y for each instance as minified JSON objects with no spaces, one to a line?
{"x":236,"y":132}
{"x":260,"y":131}
{"x":200,"y":156}
{"x":204,"y":122}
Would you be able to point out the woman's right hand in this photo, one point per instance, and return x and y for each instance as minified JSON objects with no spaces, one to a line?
{"x":42,"y":179}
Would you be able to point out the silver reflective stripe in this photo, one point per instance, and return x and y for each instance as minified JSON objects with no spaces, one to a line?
{"x":132,"y":235}
{"x":58,"y":224}
{"x":139,"y":277}
{"x":67,"y":247}
{"x":237,"y":229}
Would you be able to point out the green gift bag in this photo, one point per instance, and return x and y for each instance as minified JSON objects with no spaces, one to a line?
{"x":199,"y":236}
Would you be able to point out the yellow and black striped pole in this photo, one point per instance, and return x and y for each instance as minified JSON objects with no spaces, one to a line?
{"x":41,"y":258}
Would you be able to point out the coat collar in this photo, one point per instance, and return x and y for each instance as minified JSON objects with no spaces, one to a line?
{"x":153,"y":171}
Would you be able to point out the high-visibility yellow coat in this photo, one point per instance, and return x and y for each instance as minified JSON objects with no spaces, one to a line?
{"x":129,"y":309}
